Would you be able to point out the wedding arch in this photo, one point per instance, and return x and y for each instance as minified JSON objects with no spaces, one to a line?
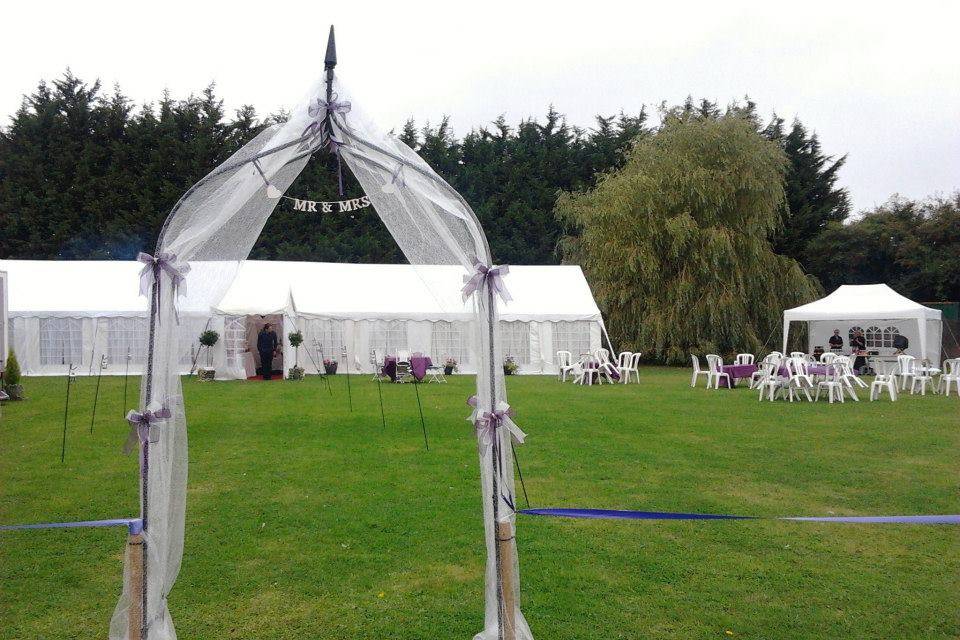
{"x":217,"y":221}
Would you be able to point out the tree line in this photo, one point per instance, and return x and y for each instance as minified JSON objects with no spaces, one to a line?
{"x":86,"y":174}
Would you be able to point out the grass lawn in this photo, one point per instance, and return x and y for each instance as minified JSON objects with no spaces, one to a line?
{"x":306,"y":520}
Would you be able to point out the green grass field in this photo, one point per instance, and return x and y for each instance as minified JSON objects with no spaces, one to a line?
{"x":305,"y":520}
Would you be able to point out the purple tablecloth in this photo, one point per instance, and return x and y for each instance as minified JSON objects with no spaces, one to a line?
{"x":812,"y":369}
{"x":737,"y":371}
{"x":418,"y":366}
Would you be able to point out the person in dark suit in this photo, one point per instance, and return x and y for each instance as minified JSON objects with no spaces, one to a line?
{"x":267,"y":345}
{"x":858,"y":345}
{"x":836,"y":341}
{"x":900,"y":343}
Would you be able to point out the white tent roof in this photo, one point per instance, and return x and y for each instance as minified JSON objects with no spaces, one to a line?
{"x":862,"y":302}
{"x":329,"y":290}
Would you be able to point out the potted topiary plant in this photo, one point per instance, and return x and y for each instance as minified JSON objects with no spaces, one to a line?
{"x":208,"y":338}
{"x":296,"y":371}
{"x":330,"y":366}
{"x":449,"y":366}
{"x":510,"y":366}
{"x":11,"y":378}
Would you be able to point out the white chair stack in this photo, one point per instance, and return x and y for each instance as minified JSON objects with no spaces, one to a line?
{"x":798,"y":379}
{"x":628,"y":364}
{"x":768,"y":382}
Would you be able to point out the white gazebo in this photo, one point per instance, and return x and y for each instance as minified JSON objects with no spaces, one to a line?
{"x":877,"y":310}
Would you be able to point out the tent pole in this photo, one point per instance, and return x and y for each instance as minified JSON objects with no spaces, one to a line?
{"x":126,"y":375}
{"x":96,"y":394}
{"x":346,"y":360}
{"x":66,"y":412}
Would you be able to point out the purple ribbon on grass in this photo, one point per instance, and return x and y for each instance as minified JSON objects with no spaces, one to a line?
{"x":140,"y":424}
{"x":133,"y":525}
{"x":493,"y":276}
{"x":622,"y":514}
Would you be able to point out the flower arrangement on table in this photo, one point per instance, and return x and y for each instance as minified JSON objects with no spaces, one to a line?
{"x":449,"y":366}
{"x":330,"y":365}
{"x":296,"y":371}
{"x":510,"y":366}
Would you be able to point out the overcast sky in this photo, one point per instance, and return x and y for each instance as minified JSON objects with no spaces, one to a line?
{"x":877,"y":81}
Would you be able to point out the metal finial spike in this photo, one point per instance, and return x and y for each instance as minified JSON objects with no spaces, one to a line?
{"x":330,"y":60}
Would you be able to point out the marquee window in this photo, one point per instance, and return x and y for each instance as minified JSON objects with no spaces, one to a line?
{"x":572,"y":336}
{"x":389,"y":336}
{"x":126,"y":335}
{"x":449,"y":340}
{"x":61,"y":341}
{"x":873,"y":337}
{"x":324,"y":338}
{"x":515,"y":341}
{"x":888,"y":335}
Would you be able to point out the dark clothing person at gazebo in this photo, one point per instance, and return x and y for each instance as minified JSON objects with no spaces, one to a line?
{"x":836,"y":341}
{"x":900,"y":343}
{"x":858,"y":344}
{"x":266,"y":344}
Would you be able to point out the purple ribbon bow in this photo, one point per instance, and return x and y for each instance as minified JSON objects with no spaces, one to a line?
{"x":486,"y":423}
{"x":492,"y":275}
{"x":319,"y":113}
{"x":140,"y":425}
{"x":166,"y":262}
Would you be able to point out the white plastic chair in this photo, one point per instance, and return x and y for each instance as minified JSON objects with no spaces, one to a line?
{"x":565,"y":365}
{"x":798,"y":354}
{"x":905,"y":370}
{"x":921,"y":376}
{"x":833,"y":383}
{"x":883,"y":381}
{"x":715,"y":369}
{"x":697,"y":371}
{"x":827,"y":357}
{"x":377,"y":361}
{"x":951,"y":374}
{"x":743,"y":358}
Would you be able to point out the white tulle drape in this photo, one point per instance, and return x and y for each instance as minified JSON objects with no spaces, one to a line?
{"x":219,"y":219}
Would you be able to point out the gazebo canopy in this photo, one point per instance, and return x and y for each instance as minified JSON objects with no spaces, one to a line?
{"x":863,"y":302}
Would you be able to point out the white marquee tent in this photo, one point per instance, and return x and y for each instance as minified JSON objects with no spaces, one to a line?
{"x":879,"y":311}
{"x":74,"y":311}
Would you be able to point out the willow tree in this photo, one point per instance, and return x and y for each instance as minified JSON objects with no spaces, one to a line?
{"x":676,"y":244}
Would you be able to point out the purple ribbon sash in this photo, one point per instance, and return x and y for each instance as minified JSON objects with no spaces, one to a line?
{"x":140,"y":424}
{"x":622,"y":514}
{"x":493,"y":276}
{"x":133,"y":525}
{"x":486,"y":423}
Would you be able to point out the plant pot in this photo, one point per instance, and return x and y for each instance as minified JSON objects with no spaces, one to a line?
{"x":15,"y":391}
{"x":448,"y":370}
{"x":295,"y":373}
{"x":331,"y":369}
{"x":206,"y":375}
